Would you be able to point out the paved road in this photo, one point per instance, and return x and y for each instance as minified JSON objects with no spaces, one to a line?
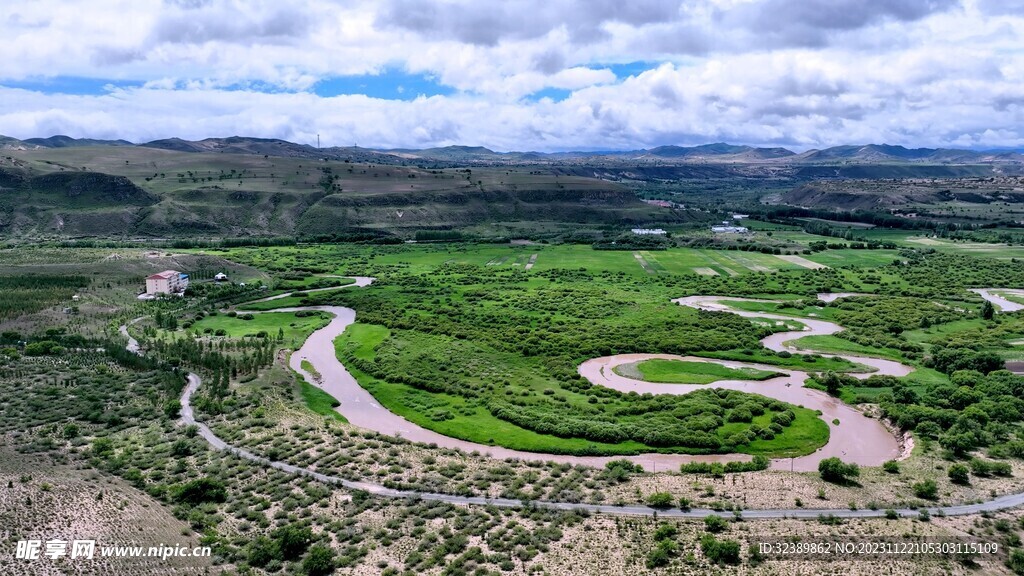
{"x":188,"y":418}
{"x":217,"y":443}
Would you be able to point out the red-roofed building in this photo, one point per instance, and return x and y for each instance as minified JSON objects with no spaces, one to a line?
{"x":166,"y":282}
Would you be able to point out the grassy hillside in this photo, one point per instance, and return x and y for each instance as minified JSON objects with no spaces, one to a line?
{"x":153,"y":192}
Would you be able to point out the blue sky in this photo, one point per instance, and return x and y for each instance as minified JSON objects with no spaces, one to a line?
{"x":520,"y":74}
{"x":388,"y":84}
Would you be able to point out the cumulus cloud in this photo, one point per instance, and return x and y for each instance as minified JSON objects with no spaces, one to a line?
{"x":801,"y":73}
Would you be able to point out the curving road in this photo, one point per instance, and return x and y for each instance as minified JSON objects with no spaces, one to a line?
{"x":188,"y":418}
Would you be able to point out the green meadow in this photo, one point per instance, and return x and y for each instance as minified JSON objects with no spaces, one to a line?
{"x":683,"y":372}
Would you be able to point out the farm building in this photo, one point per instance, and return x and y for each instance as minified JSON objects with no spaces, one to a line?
{"x":727,"y":227}
{"x":167,"y":282}
{"x":221,"y":277}
{"x":649,"y":231}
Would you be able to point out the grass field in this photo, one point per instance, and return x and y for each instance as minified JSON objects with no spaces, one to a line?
{"x":681,"y":372}
{"x":836,"y":345}
{"x":295,"y":328}
{"x":856,"y":258}
{"x":319,"y":401}
{"x":812,"y":363}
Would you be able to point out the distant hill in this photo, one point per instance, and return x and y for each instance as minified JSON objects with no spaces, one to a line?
{"x":6,"y":142}
{"x":227,"y":187}
{"x":450,"y":156}
{"x":61,"y":141}
{"x":269,"y":147}
{"x":886,"y":193}
{"x":887,"y":154}
{"x":720,"y":149}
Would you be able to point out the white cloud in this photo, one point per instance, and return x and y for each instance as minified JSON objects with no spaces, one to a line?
{"x":801,"y":73}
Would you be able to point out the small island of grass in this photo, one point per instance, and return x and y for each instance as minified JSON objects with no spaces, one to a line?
{"x":683,"y":372}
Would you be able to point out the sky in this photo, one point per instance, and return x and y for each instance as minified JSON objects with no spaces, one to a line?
{"x":545,"y":75}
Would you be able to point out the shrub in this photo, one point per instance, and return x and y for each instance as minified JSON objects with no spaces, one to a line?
{"x":1015,"y":561}
{"x":666,"y":531}
{"x":980,"y":467}
{"x":835,"y":470}
{"x":715,"y":524}
{"x":926,"y":489}
{"x":292,"y":541}
{"x":720,"y":551}
{"x":891,"y":466}
{"x":658,"y":557}
{"x":659,"y":500}
{"x":199,"y":491}
{"x":958,"y":474}
{"x":262,"y":550}
{"x":1000,"y":468}
{"x":319,"y":561}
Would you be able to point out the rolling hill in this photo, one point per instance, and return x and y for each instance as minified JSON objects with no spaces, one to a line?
{"x":450,"y":156}
{"x":226,"y":187}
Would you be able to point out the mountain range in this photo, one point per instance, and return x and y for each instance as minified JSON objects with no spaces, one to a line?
{"x":706,"y":153}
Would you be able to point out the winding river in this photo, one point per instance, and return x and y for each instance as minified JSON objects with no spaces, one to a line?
{"x":857,"y":438}
{"x":334,"y":377}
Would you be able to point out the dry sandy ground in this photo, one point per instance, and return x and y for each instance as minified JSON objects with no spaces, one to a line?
{"x":608,"y":546}
{"x":801,"y":261}
{"x":42,"y":500}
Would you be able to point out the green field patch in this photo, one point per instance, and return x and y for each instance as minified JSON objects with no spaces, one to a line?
{"x":684,"y":372}
{"x":294,"y":327}
{"x":806,"y":430}
{"x":797,"y":308}
{"x":320,"y":402}
{"x":313,"y":282}
{"x":803,"y":362}
{"x":286,"y":302}
{"x":926,"y":335}
{"x":836,"y":345}
{"x":857,"y":258}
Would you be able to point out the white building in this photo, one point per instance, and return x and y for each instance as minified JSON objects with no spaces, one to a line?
{"x":727,"y":227}
{"x":221,"y":277}
{"x":167,"y":282}
{"x":649,"y":232}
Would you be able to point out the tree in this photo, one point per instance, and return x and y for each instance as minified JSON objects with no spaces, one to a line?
{"x":319,"y":561}
{"x":199,"y":491}
{"x":292,"y":541}
{"x":835,"y":470}
{"x":830,"y":380}
{"x":987,"y":310}
{"x":958,"y":474}
{"x":172,"y":408}
{"x":262,"y":550}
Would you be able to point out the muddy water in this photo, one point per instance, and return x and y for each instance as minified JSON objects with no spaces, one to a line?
{"x":999,"y":302}
{"x":857,"y":438}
